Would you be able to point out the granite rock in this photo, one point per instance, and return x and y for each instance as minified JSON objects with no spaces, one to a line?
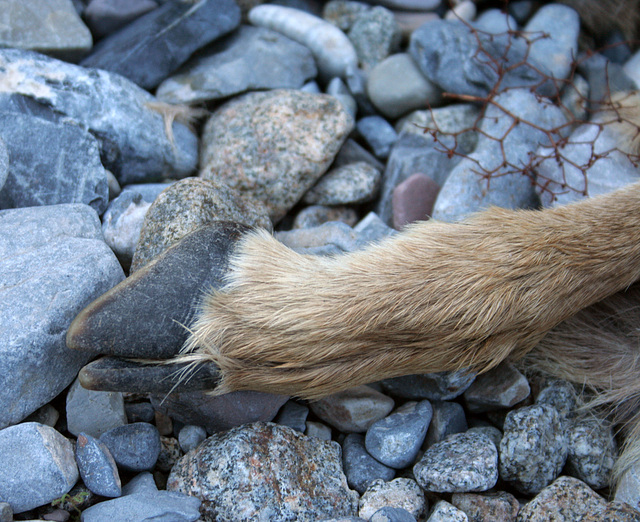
{"x":500,"y":506}
{"x":375,"y":35}
{"x":592,"y":451}
{"x":349,"y":184}
{"x":400,"y":493}
{"x":445,"y":512}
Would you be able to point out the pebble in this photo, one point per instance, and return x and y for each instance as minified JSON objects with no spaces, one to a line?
{"x":375,"y":35}
{"x":343,"y":13}
{"x":97,"y":467}
{"x":316,"y":215}
{"x":501,"y":387}
{"x":158,"y":42}
{"x":349,"y":184}
{"x":107,"y":16}
{"x":250,"y":59}
{"x":37,"y":466}
{"x":341,"y":92}
{"x":378,"y":134}
{"x":560,"y":394}
{"x":318,"y":430}
{"x":294,"y":415}
{"x":464,"y":11}
{"x":391,"y":514}
{"x":170,"y":454}
{"x":94,"y":412}
{"x":413,"y":200}
{"x":445,"y":512}
{"x":632,"y":68}
{"x":494,"y":21}
{"x":533,"y":449}
{"x":400,"y":493}
{"x":191,"y":436}
{"x":240,"y":133}
{"x":628,"y":490}
{"x":442,"y":386}
{"x":139,"y":411}
{"x":360,"y":468}
{"x":233,"y":473}
{"x":448,"y":418}
{"x":43,"y":250}
{"x":418,"y":5}
{"x":396,"y":439}
{"x":500,"y":506}
{"x":592,"y":451}
{"x":329,"y":238}
{"x":353,"y":410}
{"x":135,"y":447}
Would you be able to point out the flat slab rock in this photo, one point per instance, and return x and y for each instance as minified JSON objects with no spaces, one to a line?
{"x":264,"y":471}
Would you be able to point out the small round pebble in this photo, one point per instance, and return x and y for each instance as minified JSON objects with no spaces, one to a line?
{"x":97,"y":467}
{"x":135,"y":447}
{"x":191,"y":436}
{"x":392,"y":514}
{"x":354,"y":183}
{"x":361,"y":468}
{"x":318,"y":430}
{"x":445,"y":512}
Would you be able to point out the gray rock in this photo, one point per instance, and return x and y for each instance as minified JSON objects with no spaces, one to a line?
{"x":393,"y":98}
{"x":352,"y":152}
{"x":53,"y":262}
{"x":441,"y":386}
{"x":170,"y":454}
{"x":135,"y":447}
{"x":495,"y":21}
{"x":340,"y":92}
{"x":375,"y":34}
{"x":371,"y":229}
{"x":6,"y":513}
{"x":47,"y":26}
{"x":327,"y":239}
{"x":343,"y":13}
{"x":632,"y":68}
{"x":592,"y":451}
{"x":37,"y":466}
{"x":139,"y":411}
{"x":448,"y":418}
{"x":501,"y":387}
{"x":97,"y":467}
{"x":353,"y":410}
{"x":147,"y":50}
{"x":400,"y":493}
{"x":356,"y":81}
{"x":361,"y":468}
{"x":51,"y":163}
{"x":294,"y":415}
{"x":107,"y":16}
{"x":496,"y":173}
{"x":299,"y":132}
{"x":317,"y":429}
{"x":628,"y":489}
{"x":94,"y":412}
{"x":445,"y":512}
{"x":396,"y":439}
{"x":251,"y":59}
{"x":191,"y":436}
{"x":349,"y":184}
{"x":462,"y":462}
{"x":186,"y":206}
{"x":378,"y":134}
{"x":4,"y":163}
{"x":316,"y":215}
{"x":126,"y":120}
{"x":141,"y":483}
{"x":500,"y":506}
{"x":418,"y":5}
{"x":493,"y":433}
{"x":234,"y":472}
{"x":559,"y":394}
{"x":391,"y":514}
{"x":46,"y":415}
{"x":533,"y":448}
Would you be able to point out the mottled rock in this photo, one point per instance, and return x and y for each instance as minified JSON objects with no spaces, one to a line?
{"x":353,"y":410}
{"x":448,"y":418}
{"x":188,"y":205}
{"x":375,"y":35}
{"x":329,"y":238}
{"x":135,"y":447}
{"x":614,"y":512}
{"x":294,"y":415}
{"x":97,"y":467}
{"x":343,"y":13}
{"x":350,"y":184}
{"x":413,"y":200}
{"x":107,"y":16}
{"x":170,"y":454}
{"x":316,"y":215}
{"x":560,"y":394}
{"x":592,"y":451}
{"x":401,"y":493}
{"x":445,"y":512}
{"x":533,"y":448}
{"x":462,"y":462}
{"x":493,"y":433}
{"x":442,"y":386}
{"x":190,"y":437}
{"x":361,"y":468}
{"x":94,"y":412}
{"x":234,"y":472}
{"x":274,"y":145}
{"x":501,"y":387}
{"x":37,"y":466}
{"x":54,"y":262}
{"x":628,"y":489}
{"x":500,"y":506}
{"x":150,"y":48}
{"x":251,"y":59}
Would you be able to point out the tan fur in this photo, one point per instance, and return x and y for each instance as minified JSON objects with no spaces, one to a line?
{"x":600,"y":17}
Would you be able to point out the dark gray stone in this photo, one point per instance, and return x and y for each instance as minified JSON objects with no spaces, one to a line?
{"x":97,"y":467}
{"x":191,"y":436}
{"x":378,"y":134}
{"x":294,"y":415}
{"x":93,"y":412}
{"x":37,"y":466}
{"x":54,"y":262}
{"x":251,"y":59}
{"x":4,"y":163}
{"x":501,"y":387}
{"x":141,"y":483}
{"x":153,"y":46}
{"x":448,"y":418}
{"x":441,"y":386}
{"x":107,"y":16}
{"x":560,"y":394}
{"x":6,"y":513}
{"x":371,"y":229}
{"x":392,"y":514}
{"x":138,"y":411}
{"x":51,"y":163}
{"x":135,"y":447}
{"x":361,"y":468}
{"x":126,"y":120}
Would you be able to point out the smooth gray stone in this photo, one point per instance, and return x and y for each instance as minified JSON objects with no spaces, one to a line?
{"x":125,"y":119}
{"x":145,"y":316}
{"x":347,"y":185}
{"x":371,"y":229}
{"x":448,"y":418}
{"x":6,"y":513}
{"x":97,"y":467}
{"x":134,"y":447}
{"x":107,"y":16}
{"x":340,"y":91}
{"x":378,"y":134}
{"x":37,"y":466}
{"x":442,"y":386}
{"x":361,"y":468}
{"x":53,"y":262}
{"x":251,"y":59}
{"x":136,"y":411}
{"x":191,"y":436}
{"x":51,"y":163}
{"x":375,"y":34}
{"x":495,"y":21}
{"x":4,"y":163}
{"x":392,"y":514}
{"x":294,"y":415}
{"x":604,"y":77}
{"x":141,"y":483}
{"x":153,"y":46}
{"x":94,"y":412}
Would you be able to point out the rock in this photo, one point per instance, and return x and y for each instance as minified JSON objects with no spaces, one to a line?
{"x":37,"y":466}
{"x":592,"y":451}
{"x":343,"y":13}
{"x":628,"y":490}
{"x":97,"y":467}
{"x":378,"y":134}
{"x":464,"y":11}
{"x":396,"y":439}
{"x":170,"y":454}
{"x":107,"y":16}
{"x":395,"y":99}
{"x":158,"y":42}
{"x":495,"y":21}
{"x":139,"y":411}
{"x":4,"y":163}
{"x":500,"y":506}
{"x":135,"y":447}
{"x":126,"y":120}
{"x":445,"y":512}
{"x":494,"y":434}
{"x":234,"y":472}
{"x":350,"y":184}
{"x":340,"y":92}
{"x":6,"y":513}
{"x":250,"y":59}
{"x":299,"y":133}
{"x":219,"y":413}
{"x":141,"y":483}
{"x":400,"y":493}
{"x":47,"y":26}
{"x":327,"y":239}
{"x":413,"y":200}
{"x":566,"y":498}
{"x":316,"y":215}
{"x":448,"y":418}
{"x":632,"y":68}
{"x":495,"y":173}
{"x":53,"y":262}
{"x":560,"y":394}
{"x":352,"y":152}
{"x":614,"y":512}
{"x":294,"y":415}
{"x":188,"y":205}
{"x":94,"y":412}
{"x":51,"y":163}
{"x":533,"y":449}
{"x":361,"y":468}
{"x":501,"y":387}
{"x":418,"y":5}
{"x":442,"y":386}
{"x":371,"y":229}
{"x":462,"y":462}
{"x":46,"y":415}
{"x":353,"y":410}
{"x":191,"y":436}
{"x":317,"y":429}
{"x":375,"y":35}
{"x":391,"y":514}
